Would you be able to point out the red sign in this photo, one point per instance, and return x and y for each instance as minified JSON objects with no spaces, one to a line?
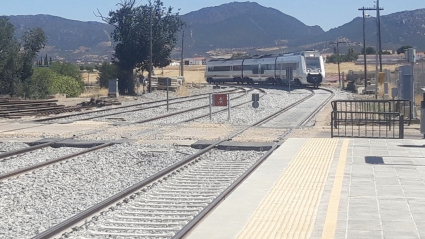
{"x":220,"y":99}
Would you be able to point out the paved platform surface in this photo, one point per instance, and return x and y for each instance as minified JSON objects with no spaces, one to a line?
{"x":328,"y":188}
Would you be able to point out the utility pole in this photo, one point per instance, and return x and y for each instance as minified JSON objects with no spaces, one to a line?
{"x":364,"y":47}
{"x":182,"y":59}
{"x":378,"y":22}
{"x":337,"y":53}
{"x":363,"y":9}
{"x":150,"y":50}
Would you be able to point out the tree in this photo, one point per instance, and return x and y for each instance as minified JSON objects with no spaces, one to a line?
{"x":369,"y":50}
{"x":350,"y":56}
{"x":9,"y":61}
{"x":46,"y":61}
{"x":108,"y":72}
{"x":67,"y":69}
{"x":33,"y":41}
{"x":132,"y":34}
{"x":402,"y":49}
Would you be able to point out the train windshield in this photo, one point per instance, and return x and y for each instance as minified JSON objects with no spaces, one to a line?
{"x":312,"y":63}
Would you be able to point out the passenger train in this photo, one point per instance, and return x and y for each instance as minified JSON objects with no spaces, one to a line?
{"x":303,"y":68}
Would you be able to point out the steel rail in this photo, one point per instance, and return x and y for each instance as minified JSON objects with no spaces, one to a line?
{"x":68,"y":223}
{"x":316,"y":111}
{"x":177,"y":113}
{"x":223,"y":110}
{"x":43,"y":164}
{"x":26,"y":150}
{"x":121,"y":107}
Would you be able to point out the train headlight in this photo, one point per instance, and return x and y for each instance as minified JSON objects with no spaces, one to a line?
{"x":308,"y":71}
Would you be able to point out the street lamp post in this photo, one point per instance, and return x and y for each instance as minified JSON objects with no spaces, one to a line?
{"x":338,"y":60}
{"x":150,"y":51}
{"x":364,"y":50}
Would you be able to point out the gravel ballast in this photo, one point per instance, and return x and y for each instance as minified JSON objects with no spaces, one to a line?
{"x":31,"y":203}
{"x":30,"y":158}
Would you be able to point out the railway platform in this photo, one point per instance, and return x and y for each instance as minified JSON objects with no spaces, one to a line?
{"x":328,"y":188}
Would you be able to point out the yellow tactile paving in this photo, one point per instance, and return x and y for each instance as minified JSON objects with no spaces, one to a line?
{"x":332,"y":213}
{"x":288,"y":210}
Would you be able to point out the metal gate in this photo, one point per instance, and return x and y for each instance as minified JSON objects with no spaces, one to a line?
{"x":370,"y":118}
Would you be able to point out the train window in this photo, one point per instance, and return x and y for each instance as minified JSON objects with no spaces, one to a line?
{"x":312,"y":62}
{"x":237,"y":68}
{"x":219,"y":68}
{"x":247,"y":67}
{"x":267,"y":67}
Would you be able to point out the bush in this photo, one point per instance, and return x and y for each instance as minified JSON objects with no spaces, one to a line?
{"x":66,"y":85}
{"x":38,"y":85}
{"x":45,"y":82}
{"x":67,"y":69}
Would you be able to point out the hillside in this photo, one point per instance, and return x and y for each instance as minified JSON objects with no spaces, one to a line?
{"x":242,"y":25}
{"x":397,"y":29}
{"x":236,"y":26}
{"x":69,"y":39}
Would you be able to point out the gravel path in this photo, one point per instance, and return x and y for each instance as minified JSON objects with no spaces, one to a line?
{"x":31,"y":203}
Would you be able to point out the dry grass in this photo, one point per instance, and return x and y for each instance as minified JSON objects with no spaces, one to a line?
{"x":192,"y":74}
{"x":94,"y":93}
{"x":345,"y":67}
{"x":89,"y":78}
{"x":183,"y":91}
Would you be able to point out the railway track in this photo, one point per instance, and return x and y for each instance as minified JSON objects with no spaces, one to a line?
{"x":139,"y":107}
{"x":169,"y":203}
{"x":35,"y":166}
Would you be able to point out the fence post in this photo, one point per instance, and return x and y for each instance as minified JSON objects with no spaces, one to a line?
{"x":335,"y":113}
{"x":332,"y":128}
{"x":401,"y":127}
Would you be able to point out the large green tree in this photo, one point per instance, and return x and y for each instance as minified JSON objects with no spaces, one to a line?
{"x":132,"y":35}
{"x":33,"y":41}
{"x":402,"y":49}
{"x":16,"y":57}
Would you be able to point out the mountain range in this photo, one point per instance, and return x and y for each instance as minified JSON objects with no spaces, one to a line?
{"x":233,"y":27}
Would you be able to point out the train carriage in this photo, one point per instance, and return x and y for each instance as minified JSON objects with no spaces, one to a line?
{"x":304,"y":68}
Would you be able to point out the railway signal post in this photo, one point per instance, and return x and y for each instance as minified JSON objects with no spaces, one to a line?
{"x":255,"y":99}
{"x":221,"y":100}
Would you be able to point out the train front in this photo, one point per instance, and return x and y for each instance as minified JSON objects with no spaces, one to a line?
{"x":315,"y":68}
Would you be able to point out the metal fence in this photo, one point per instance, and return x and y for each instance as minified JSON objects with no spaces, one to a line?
{"x":370,"y":118}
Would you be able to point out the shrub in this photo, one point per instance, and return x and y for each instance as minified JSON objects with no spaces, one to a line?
{"x":45,"y":82}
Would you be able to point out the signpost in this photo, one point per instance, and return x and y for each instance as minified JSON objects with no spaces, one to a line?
{"x":168,"y":83}
{"x":220,"y":100}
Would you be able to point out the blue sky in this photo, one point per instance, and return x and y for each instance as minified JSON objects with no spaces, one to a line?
{"x":325,"y":13}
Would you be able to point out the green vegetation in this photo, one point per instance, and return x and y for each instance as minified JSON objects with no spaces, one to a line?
{"x":108,"y":71}
{"x":16,"y":57}
{"x":132,"y":35}
{"x":349,"y":57}
{"x":369,"y":50}
{"x":45,"y":82}
{"x":402,"y":49}
{"x":19,"y":78}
